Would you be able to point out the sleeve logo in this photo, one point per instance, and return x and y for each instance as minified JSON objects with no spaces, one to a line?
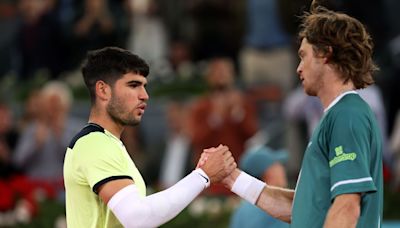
{"x":341,"y":156}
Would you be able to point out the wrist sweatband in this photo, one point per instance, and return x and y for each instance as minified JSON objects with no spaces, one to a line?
{"x":248,"y":187}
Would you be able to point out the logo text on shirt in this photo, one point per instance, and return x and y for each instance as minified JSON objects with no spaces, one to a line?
{"x":341,"y":156}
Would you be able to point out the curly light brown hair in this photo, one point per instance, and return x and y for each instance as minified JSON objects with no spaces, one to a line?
{"x":344,"y":40}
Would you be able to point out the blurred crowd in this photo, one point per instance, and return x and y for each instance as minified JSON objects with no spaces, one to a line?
{"x":238,"y":60}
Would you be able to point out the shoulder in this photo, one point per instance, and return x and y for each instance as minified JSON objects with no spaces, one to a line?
{"x":90,"y":134}
{"x":350,"y":112}
{"x":96,"y":139}
{"x":95,"y":147}
{"x":349,"y":107}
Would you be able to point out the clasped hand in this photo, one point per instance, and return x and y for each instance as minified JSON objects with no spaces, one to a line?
{"x":217,"y":162}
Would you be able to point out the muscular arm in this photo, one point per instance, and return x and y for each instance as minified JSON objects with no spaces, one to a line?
{"x":275,"y":201}
{"x":344,"y":211}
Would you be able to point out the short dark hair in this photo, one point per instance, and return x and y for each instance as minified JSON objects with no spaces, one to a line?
{"x":109,"y":64}
{"x":351,"y":44}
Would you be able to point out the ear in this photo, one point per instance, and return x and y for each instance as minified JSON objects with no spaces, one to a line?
{"x":328,"y":54}
{"x":103,"y":91}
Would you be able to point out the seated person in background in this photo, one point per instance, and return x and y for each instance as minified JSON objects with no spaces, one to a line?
{"x":176,"y":162}
{"x":223,"y":115}
{"x":266,"y":165}
{"x":41,"y":147}
{"x":8,"y":139}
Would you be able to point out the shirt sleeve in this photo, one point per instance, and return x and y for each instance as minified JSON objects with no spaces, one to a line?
{"x":349,"y":154}
{"x":101,"y":160}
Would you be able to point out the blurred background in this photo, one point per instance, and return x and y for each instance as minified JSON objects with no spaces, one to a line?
{"x":221,"y":72}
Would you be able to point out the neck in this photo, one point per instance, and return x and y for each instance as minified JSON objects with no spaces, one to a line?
{"x":104,"y":120}
{"x":333,"y":89}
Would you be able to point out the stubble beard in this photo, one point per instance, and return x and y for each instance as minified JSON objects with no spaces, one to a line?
{"x":310,"y":92}
{"x":312,"y":89}
{"x":120,"y":115}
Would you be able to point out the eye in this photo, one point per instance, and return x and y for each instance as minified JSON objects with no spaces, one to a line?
{"x":301,"y":54}
{"x":134,"y":85}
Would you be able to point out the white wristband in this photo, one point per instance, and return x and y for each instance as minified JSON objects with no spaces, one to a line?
{"x":203,"y":174}
{"x":248,"y":187}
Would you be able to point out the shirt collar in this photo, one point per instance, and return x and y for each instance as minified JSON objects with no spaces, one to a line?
{"x":337,"y":99}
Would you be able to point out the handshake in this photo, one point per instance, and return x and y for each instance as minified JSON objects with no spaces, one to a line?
{"x":219,"y":165}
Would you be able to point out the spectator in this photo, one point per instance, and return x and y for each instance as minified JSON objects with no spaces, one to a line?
{"x":8,"y":26}
{"x":31,"y":109}
{"x":41,"y":147}
{"x":180,"y":58}
{"x":267,"y":56}
{"x":8,"y":139}
{"x":176,"y":161}
{"x":148,"y":35}
{"x":39,"y":41}
{"x":223,"y":115}
{"x":266,"y":165}
{"x":217,"y":28}
{"x":95,"y":24}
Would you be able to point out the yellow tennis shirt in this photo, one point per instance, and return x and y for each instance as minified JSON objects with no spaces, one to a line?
{"x":94,"y":157}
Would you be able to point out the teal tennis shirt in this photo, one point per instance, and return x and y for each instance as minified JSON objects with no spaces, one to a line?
{"x":344,"y":156}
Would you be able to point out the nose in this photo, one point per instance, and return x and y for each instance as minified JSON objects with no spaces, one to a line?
{"x":144,"y":95}
{"x":299,"y":68}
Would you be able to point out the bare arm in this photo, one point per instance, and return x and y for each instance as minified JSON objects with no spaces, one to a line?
{"x":344,"y":211}
{"x":275,"y":201}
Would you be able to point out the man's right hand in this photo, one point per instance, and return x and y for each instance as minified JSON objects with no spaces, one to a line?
{"x":217,"y":163}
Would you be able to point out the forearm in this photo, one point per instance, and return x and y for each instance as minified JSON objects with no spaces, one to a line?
{"x":275,"y":201}
{"x":156,"y":209}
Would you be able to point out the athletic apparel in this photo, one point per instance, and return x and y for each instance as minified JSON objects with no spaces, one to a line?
{"x":156,"y":209}
{"x":248,"y":187}
{"x":343,"y":156}
{"x":93,"y":158}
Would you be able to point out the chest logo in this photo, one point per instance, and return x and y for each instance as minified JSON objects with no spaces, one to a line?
{"x":340,"y":156}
